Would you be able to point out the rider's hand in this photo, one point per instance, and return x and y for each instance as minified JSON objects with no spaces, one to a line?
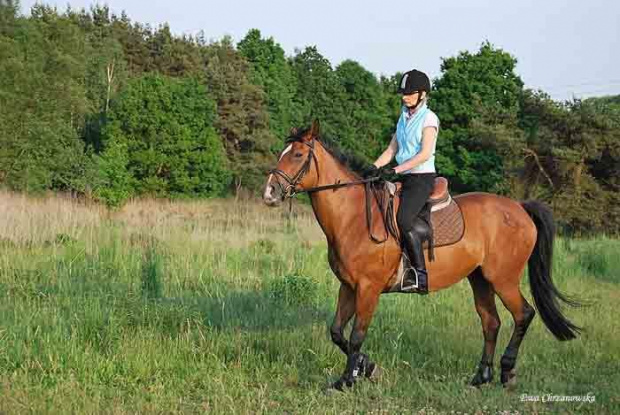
{"x":370,"y":172}
{"x":385,"y":173}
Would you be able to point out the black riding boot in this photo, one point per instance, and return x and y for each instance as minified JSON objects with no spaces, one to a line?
{"x":416,"y":277}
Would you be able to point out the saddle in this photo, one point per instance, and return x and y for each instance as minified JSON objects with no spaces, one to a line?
{"x":441,"y":214}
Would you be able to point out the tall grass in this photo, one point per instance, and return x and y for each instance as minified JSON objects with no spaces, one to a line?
{"x":223,"y":307}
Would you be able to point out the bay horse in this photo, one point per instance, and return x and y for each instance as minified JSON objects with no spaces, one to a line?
{"x":501,"y":237}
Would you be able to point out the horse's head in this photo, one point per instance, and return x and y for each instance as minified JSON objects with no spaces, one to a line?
{"x":296,"y":168}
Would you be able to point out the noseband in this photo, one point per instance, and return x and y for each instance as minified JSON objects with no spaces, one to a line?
{"x":291,"y":189}
{"x":292,"y":182}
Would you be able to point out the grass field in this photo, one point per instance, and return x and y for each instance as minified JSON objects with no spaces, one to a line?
{"x":223,"y":307}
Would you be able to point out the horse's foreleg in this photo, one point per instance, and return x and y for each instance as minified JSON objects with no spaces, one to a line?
{"x":358,"y":364}
{"x":484,"y":297}
{"x":344,"y":312}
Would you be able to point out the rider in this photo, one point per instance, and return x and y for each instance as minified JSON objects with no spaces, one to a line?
{"x":413,"y":144}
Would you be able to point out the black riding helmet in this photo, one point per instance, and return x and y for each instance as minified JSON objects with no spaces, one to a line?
{"x":414,"y":81}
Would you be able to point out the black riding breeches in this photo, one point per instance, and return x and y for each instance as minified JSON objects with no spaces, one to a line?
{"x":416,"y":188}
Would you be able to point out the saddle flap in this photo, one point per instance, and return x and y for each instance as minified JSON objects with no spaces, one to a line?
{"x":440,"y":191}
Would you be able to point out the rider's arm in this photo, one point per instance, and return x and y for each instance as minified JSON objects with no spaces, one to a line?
{"x":388,"y":154}
{"x":429,"y":135}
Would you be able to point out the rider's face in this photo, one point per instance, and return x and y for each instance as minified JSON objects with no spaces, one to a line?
{"x":412,"y":99}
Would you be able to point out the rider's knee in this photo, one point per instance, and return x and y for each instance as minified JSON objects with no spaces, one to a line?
{"x":420,"y":229}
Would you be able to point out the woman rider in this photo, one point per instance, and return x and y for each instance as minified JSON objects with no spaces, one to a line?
{"x":413,"y":144}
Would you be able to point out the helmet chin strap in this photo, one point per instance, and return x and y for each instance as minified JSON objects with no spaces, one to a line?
{"x":419,"y":102}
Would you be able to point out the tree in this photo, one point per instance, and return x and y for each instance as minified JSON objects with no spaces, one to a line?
{"x":271,"y":71}
{"x":574,"y":160}
{"x":44,"y":103}
{"x":367,"y":118}
{"x":242,"y":118}
{"x":172,"y":148}
{"x":8,"y":16}
{"x":319,"y":92}
{"x":470,"y":85}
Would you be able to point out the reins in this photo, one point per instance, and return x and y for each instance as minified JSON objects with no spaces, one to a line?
{"x":290,"y":190}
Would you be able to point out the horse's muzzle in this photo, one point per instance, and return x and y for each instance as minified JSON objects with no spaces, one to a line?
{"x":272,"y":195}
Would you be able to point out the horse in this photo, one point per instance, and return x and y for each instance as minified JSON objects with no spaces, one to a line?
{"x":501,"y":237}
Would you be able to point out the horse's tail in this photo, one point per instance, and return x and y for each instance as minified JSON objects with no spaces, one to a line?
{"x":545,"y":293}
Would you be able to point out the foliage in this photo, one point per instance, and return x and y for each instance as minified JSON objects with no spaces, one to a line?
{"x":470,"y":85}
{"x":293,"y":290}
{"x":242,"y":120}
{"x":80,"y":334}
{"x":368,"y":118}
{"x":107,"y":108}
{"x":574,"y":158}
{"x":113,"y":185}
{"x":172,"y":148}
{"x":271,"y":71}
{"x":42,"y":103}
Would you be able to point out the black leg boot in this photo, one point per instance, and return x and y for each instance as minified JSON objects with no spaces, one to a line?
{"x":415,"y":278}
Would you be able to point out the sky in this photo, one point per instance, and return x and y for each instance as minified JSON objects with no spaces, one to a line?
{"x":567,"y":48}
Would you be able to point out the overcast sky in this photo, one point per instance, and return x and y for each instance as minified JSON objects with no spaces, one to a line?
{"x":565,"y":47}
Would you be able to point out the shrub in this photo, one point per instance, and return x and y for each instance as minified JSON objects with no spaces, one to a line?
{"x":294,"y":290}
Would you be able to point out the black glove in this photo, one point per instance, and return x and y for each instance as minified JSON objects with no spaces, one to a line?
{"x":385,"y":173}
{"x":370,"y":171}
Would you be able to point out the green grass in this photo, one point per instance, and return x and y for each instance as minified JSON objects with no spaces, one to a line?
{"x":203,"y":309}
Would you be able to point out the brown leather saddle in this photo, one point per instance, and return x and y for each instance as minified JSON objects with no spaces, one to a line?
{"x":442,"y":213}
{"x":439,"y":198}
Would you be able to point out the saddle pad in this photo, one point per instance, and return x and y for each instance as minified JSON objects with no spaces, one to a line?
{"x":448,"y":225}
{"x":448,"y":229}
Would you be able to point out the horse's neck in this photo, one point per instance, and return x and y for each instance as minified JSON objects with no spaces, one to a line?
{"x":336,"y":210}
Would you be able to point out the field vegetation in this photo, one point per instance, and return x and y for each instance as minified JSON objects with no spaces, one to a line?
{"x":223,"y":307}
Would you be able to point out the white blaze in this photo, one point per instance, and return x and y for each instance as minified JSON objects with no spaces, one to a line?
{"x":286,"y":150}
{"x":267,"y":194}
{"x":268,"y":188}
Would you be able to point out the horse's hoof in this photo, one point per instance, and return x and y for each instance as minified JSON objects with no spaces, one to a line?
{"x":373,"y":372}
{"x":333,"y":388}
{"x":478,"y":387}
{"x":509,"y":379}
{"x":341,"y":385}
{"x":483,"y":376}
{"x":337,"y":386}
{"x":479,"y":382}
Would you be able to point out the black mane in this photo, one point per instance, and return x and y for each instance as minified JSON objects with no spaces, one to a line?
{"x":353,"y":162}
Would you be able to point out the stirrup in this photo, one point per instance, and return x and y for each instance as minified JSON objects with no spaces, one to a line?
{"x":406,"y":285}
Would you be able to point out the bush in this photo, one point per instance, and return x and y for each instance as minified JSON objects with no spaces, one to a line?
{"x":294,"y":290}
{"x":599,"y":258}
{"x":159,"y":140}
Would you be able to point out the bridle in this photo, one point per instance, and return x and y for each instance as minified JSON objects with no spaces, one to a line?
{"x":290,"y":190}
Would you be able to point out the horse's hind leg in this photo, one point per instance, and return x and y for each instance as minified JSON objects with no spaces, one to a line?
{"x":522,"y":313}
{"x":484,"y":298}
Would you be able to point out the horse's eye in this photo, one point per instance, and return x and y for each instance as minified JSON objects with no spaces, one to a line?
{"x":298,"y":154}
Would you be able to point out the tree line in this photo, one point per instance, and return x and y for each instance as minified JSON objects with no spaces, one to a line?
{"x":98,"y":105}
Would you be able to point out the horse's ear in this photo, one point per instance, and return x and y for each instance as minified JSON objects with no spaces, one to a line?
{"x":293,"y":132}
{"x":316,"y":126}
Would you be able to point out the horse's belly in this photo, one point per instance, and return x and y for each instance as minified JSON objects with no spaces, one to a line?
{"x":452,"y":264}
